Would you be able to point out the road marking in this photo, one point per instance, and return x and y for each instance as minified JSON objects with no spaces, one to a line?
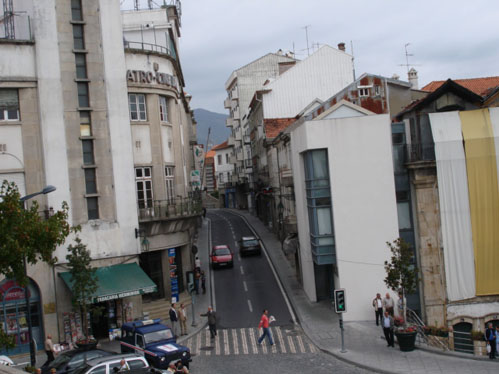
{"x":250,"y":306}
{"x":300,"y":344}
{"x":198,"y":344}
{"x":235,"y":342}
{"x":253,"y":341}
{"x":189,"y":344}
{"x":242,"y":270}
{"x":291,"y":345}
{"x":312,"y":348}
{"x":217,"y":344}
{"x":212,"y":275}
{"x":264,"y":345}
{"x":238,"y":257}
{"x":226,"y":342}
{"x":281,"y":340}
{"x":208,"y":342}
{"x":245,"y":286}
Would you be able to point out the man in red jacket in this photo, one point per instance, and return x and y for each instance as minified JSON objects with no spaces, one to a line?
{"x":264,"y":324}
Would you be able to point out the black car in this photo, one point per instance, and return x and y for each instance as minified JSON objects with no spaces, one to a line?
{"x":67,"y":362}
{"x":249,"y":245}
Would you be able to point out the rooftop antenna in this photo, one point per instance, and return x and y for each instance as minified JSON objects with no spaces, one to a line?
{"x":407,"y":55}
{"x":306,"y":36}
{"x":8,"y":13}
{"x":149,"y":4}
{"x":136,"y":4}
{"x":353,"y":59}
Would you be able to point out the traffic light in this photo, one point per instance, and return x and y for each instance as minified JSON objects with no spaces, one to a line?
{"x":340,"y":305}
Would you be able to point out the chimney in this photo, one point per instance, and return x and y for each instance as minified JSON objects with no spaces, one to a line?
{"x":279,"y":52}
{"x":412,"y":75}
{"x":341,"y":47}
{"x":395,"y":76}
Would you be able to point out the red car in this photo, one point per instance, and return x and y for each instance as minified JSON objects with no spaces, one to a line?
{"x":221,"y":256}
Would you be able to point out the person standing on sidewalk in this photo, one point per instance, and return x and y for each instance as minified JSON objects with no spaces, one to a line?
{"x":378,"y":308}
{"x":212,"y":321}
{"x":49,"y":350}
{"x":490,"y":335}
{"x":203,"y":282}
{"x":182,"y":316}
{"x":264,"y":324}
{"x":173,"y":318}
{"x":197,"y":277}
{"x":388,"y":324}
{"x":388,"y":304}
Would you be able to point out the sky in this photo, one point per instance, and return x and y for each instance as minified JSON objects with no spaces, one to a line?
{"x":447,"y":38}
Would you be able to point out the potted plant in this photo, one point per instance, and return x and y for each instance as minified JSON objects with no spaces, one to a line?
{"x":479,"y":343}
{"x":84,"y":285}
{"x":401,"y":275}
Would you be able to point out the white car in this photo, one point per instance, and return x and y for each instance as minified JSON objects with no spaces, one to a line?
{"x":111,"y":364}
{"x":4,"y":360}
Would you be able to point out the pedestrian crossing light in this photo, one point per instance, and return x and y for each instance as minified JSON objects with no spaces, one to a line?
{"x":340,"y":305}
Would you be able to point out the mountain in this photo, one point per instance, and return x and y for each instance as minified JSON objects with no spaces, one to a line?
{"x":205,"y":119}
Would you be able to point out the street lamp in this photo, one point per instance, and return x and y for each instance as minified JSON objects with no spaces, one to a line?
{"x":32,"y":353}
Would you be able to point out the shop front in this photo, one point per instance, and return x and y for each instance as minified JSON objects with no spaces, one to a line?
{"x":113,"y":302}
{"x":13,"y":315}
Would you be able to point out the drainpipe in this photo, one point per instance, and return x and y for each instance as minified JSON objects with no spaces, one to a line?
{"x":56,"y":304}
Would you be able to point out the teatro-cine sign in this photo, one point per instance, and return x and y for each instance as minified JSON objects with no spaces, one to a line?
{"x":141,"y":76}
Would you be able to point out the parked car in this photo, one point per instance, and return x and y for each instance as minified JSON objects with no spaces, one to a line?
{"x":154,"y":341}
{"x":221,"y":255}
{"x":5,"y":360}
{"x":68,"y":361}
{"x":111,"y":364}
{"x":249,"y":245}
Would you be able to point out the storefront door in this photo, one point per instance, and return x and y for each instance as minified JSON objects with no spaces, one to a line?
{"x":152,"y":265}
{"x":13,"y":315}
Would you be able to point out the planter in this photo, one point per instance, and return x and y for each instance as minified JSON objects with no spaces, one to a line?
{"x":406,"y":340}
{"x":480,"y":347}
{"x":86,"y":345}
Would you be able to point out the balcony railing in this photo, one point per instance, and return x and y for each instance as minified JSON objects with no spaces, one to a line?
{"x":16,"y":26}
{"x":420,"y":152}
{"x":150,"y":48}
{"x":169,"y":209}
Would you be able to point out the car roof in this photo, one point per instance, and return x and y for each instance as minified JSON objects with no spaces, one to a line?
{"x":74,"y":352}
{"x":248,"y":238}
{"x":115,"y":357}
{"x":221,"y":246}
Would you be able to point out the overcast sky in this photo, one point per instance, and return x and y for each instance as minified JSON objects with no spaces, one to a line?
{"x":448,"y":38}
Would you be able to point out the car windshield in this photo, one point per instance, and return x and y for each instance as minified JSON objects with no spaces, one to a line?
{"x":82,"y":369}
{"x":221,"y":252}
{"x":157,"y":336}
{"x":60,"y":361}
{"x":251,"y":242}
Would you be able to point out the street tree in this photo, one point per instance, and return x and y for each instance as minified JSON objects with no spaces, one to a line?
{"x":26,"y":235}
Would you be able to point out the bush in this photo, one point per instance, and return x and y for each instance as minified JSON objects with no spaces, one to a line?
{"x":477,"y":335}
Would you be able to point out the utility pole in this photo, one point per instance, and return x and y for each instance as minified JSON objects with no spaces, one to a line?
{"x":204,"y":161}
{"x":353,"y":60}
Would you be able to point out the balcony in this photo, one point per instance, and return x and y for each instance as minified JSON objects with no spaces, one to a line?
{"x":15,"y":27}
{"x":149,"y":47}
{"x":239,"y":156}
{"x":235,"y":95}
{"x":169,"y":209}
{"x":228,"y":103}
{"x":248,"y":163}
{"x":238,"y":136}
{"x":232,"y":159}
{"x":246,"y":139}
{"x":236,"y":113}
{"x":230,"y":140}
{"x":420,"y":152}
{"x":229,"y":122}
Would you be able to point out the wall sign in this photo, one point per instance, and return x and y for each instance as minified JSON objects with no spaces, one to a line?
{"x":141,"y":76}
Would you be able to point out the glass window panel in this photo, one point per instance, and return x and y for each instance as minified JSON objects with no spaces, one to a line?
{"x":83,"y":100}
{"x":93,"y":207}
{"x":138,"y":172}
{"x":404,"y":214}
{"x":78,"y":40}
{"x":81,"y":65}
{"x":88,"y":152}
{"x":147,"y":172}
{"x":76,"y":14}
{"x":163,"y":109}
{"x":90,"y":182}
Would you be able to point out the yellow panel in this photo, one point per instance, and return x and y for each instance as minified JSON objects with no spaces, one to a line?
{"x":484,"y":198}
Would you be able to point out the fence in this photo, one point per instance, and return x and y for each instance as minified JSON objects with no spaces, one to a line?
{"x":168,"y":209}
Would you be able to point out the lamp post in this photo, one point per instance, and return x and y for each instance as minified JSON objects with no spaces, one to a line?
{"x":32,"y":352}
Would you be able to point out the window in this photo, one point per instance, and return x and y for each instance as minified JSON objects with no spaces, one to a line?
{"x":90,"y":181}
{"x":226,"y":158}
{"x":78,"y":40}
{"x":81,"y":66}
{"x":143,"y":181}
{"x":219,"y":159}
{"x":76,"y":14}
{"x":221,"y":178}
{"x":136,"y":364}
{"x":170,"y":183}
{"x":163,"y":109}
{"x":93,"y":208}
{"x":99,"y":370}
{"x":85,"y":127}
{"x":88,"y":151}
{"x":137,"y":105}
{"x":9,"y":105}
{"x":83,"y":99}
{"x":363,"y":92}
{"x":377,"y":90}
{"x":140,"y":341}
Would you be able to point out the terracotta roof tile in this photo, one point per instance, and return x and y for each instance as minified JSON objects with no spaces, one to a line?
{"x":210,"y":154}
{"x":223,"y":145}
{"x":274,"y":126}
{"x":480,"y":86}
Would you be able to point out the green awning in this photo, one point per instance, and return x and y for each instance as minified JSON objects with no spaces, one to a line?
{"x":117,"y":281}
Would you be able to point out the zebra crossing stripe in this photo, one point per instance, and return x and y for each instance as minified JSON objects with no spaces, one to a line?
{"x":312,"y":348}
{"x":243,"y":341}
{"x":274,"y":347}
{"x":198,"y":344}
{"x":226,"y":343}
{"x":217,"y":344}
{"x":300,"y":344}
{"x":281,"y":340}
{"x":189,"y":344}
{"x":207,"y":333}
{"x":291,"y":344}
{"x":235,"y":342}
{"x":253,"y":341}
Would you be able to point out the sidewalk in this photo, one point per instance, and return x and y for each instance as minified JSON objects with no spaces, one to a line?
{"x":364,"y":341}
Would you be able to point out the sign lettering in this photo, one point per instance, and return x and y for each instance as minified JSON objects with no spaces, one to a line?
{"x":141,"y":76}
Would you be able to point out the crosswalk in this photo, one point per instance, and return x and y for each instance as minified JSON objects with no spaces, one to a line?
{"x":244,"y":341}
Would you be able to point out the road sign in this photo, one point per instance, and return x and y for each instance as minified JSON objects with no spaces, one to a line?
{"x":340,"y":305}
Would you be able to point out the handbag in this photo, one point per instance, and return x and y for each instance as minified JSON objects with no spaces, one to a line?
{"x":489,"y":348}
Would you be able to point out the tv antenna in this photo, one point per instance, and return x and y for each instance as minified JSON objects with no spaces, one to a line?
{"x":306,"y":36}
{"x":407,"y":55}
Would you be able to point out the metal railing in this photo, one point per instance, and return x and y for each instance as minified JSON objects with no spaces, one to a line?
{"x":413,"y":318}
{"x":170,"y":209}
{"x":420,"y":152}
{"x":16,"y":26}
{"x":150,"y":48}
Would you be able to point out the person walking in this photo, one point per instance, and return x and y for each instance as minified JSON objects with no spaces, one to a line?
{"x":203,"y":282}
{"x":264,"y":324}
{"x":182,"y":316}
{"x":173,"y":318}
{"x":490,"y":336}
{"x":388,"y":304}
{"x":197,"y":263}
{"x":212,"y":321}
{"x":197,"y":277}
{"x":378,"y":308}
{"x":49,"y":350}
{"x":388,"y":324}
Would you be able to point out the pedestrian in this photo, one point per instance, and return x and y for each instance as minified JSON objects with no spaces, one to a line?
{"x":173,"y":318}
{"x":490,"y":336}
{"x":123,"y":366}
{"x":388,"y":324}
{"x":49,"y":350}
{"x":264,"y":324}
{"x":197,"y":277}
{"x":497,"y":340}
{"x":203,"y":281}
{"x":378,"y":308}
{"x":181,"y":369}
{"x":204,"y":212}
{"x":182,"y":316}
{"x":172,"y":369}
{"x":388,"y":304}
{"x":212,"y":321}
{"x":197,"y":263}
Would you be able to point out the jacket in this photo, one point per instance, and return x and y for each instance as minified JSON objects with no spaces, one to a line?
{"x":264,"y":322}
{"x":173,"y":315}
{"x":212,"y":317}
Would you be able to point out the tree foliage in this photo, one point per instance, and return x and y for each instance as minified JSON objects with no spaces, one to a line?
{"x":26,"y":234}
{"x":6,"y":341}
{"x":83,"y":278}
{"x":401,"y":273}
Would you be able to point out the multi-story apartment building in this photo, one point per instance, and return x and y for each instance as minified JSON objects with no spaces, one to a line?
{"x":241,"y":87}
{"x":110,"y":127}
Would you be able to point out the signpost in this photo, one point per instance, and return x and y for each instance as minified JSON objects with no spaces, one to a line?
{"x":340,"y":307}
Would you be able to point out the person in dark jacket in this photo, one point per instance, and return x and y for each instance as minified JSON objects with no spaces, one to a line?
{"x":212,"y":321}
{"x":173,"y":318}
{"x":490,"y":336}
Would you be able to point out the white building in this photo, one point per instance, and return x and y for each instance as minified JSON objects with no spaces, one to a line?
{"x":224,"y":170}
{"x":345,"y":203}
